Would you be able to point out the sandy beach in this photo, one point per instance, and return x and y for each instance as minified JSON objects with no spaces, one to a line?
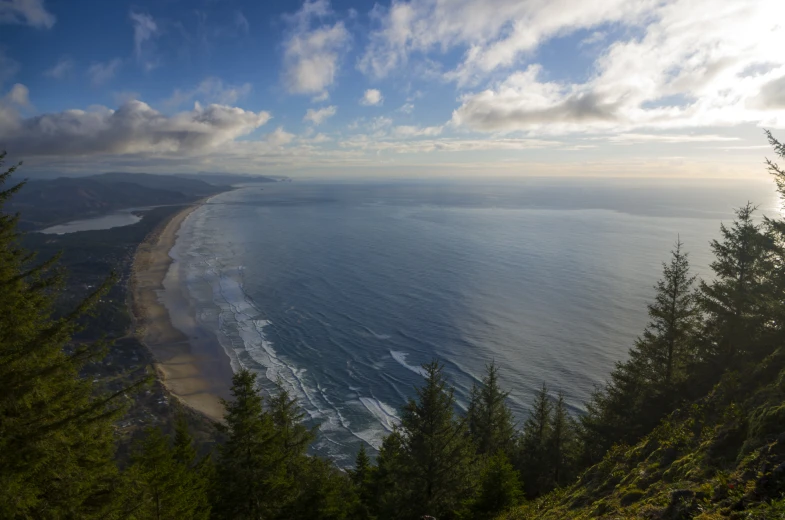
{"x":192,"y":365}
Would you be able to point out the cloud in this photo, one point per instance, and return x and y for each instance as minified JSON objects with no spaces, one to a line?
{"x":61,"y":69}
{"x":18,"y":95}
{"x":312,"y":55}
{"x":771,"y":95}
{"x":26,"y":12}
{"x":210,"y":90}
{"x":241,"y":22}
{"x":492,"y":34}
{"x":370,"y":143}
{"x":319,"y":116}
{"x":134,"y":128}
{"x":100,"y":73}
{"x":690,"y":67}
{"x":372,"y":97}
{"x":416,"y":131}
{"x":8,"y":66}
{"x":406,"y":108}
{"x":667,"y":138}
{"x":279,"y":137}
{"x":145,"y":29}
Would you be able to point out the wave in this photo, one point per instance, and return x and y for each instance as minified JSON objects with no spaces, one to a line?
{"x":400,"y":357}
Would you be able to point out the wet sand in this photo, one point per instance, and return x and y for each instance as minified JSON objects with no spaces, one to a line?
{"x":191,"y":364}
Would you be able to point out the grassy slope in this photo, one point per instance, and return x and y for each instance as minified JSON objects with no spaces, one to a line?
{"x":724,"y":457}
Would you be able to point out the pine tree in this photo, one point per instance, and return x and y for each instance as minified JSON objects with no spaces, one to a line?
{"x":389,"y":486}
{"x":251,"y":481}
{"x":56,"y":442}
{"x":362,"y":479}
{"x":666,"y":348}
{"x":437,"y":454}
{"x":324,"y":492}
{"x":646,"y":387}
{"x":614,"y":414}
{"x":162,"y":484}
{"x":734,"y":302}
{"x":499,"y":490}
{"x":489,"y":418}
{"x":533,"y":456}
{"x":291,"y":434}
{"x":561,"y":445}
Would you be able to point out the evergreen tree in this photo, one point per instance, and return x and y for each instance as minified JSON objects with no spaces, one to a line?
{"x":646,"y":387}
{"x":734,"y":302}
{"x":666,"y":348}
{"x":499,"y":490}
{"x":362,"y":478}
{"x":163,"y":484}
{"x":533,"y":456}
{"x":437,"y":454}
{"x":489,"y":418}
{"x":389,"y":487}
{"x":292,"y":436}
{"x":251,"y":481}
{"x":614,"y":414}
{"x":56,"y":443}
{"x":324,"y":492}
{"x":561,"y":445}
{"x":776,"y":276}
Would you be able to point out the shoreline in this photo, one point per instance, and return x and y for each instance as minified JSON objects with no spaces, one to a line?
{"x":192,"y":365}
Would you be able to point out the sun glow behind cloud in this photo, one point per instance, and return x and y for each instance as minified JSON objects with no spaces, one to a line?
{"x":413,"y":87}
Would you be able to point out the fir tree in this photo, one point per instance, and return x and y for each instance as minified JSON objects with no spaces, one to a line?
{"x":646,"y":387}
{"x":734,"y":302}
{"x":56,"y":443}
{"x":362,"y":478}
{"x":489,"y":418}
{"x":251,"y":481}
{"x":533,"y":457}
{"x":163,"y":485}
{"x":665,"y":350}
{"x":499,"y":490}
{"x":561,"y":445}
{"x":389,"y":487}
{"x":437,"y":454}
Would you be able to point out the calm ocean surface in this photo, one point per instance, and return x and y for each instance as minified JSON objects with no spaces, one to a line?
{"x":343,"y":290}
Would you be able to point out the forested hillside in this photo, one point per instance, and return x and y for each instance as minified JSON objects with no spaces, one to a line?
{"x":47,"y":202}
{"x":692,"y":425}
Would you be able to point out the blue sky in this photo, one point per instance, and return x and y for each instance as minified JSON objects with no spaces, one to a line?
{"x":409,"y":88}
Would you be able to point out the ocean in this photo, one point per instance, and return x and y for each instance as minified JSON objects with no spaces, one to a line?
{"x":341,"y":290}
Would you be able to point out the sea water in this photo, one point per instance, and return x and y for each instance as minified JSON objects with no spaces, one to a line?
{"x":341,"y":291}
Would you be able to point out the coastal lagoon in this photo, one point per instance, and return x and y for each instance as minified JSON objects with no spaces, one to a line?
{"x":120,"y":218}
{"x":341,"y":291}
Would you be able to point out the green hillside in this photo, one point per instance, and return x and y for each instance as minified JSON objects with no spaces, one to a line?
{"x":721,"y":457}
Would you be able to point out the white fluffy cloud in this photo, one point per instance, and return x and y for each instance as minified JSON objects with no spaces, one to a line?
{"x":26,"y":12}
{"x":493,"y":33}
{"x":312,"y":55}
{"x":698,"y":63}
{"x":321,"y":115}
{"x":372,"y":97}
{"x":210,"y":90}
{"x":279,"y":137}
{"x":100,"y":73}
{"x":134,"y":128}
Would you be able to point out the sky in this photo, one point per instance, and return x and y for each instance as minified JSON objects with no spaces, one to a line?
{"x":407,"y":88}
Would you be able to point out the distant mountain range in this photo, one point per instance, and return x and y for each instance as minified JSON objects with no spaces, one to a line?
{"x":43,"y":203}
